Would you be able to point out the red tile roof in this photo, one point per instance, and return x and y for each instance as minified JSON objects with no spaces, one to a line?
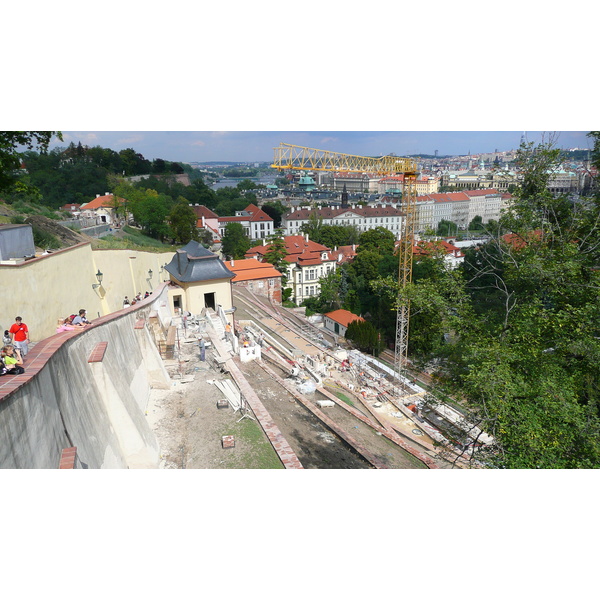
{"x":102,"y":202}
{"x":298,"y":249}
{"x":487,"y":192}
{"x":425,"y":248}
{"x":348,"y":253}
{"x":343,"y":317}
{"x":250,"y":269}
{"x":517,"y":241}
{"x":202,"y":211}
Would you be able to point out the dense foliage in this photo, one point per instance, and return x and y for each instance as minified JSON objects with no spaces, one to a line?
{"x":235,"y":243}
{"x":364,"y":336}
{"x":515,"y":331}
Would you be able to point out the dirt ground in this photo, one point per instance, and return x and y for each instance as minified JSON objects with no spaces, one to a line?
{"x":189,"y":426}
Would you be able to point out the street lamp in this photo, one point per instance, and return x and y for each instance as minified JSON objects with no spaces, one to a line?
{"x":99,"y":276}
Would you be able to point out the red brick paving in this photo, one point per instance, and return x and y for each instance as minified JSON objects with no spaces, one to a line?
{"x":67,"y":458}
{"x":280,"y":444}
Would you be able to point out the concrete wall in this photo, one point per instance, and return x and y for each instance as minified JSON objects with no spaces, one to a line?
{"x":48,"y":287}
{"x":16,"y":241}
{"x":99,"y":407}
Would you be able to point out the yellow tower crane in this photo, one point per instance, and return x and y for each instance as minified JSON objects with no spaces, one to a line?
{"x":301,"y":158}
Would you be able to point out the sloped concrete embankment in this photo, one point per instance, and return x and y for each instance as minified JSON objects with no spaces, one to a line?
{"x":91,"y":392}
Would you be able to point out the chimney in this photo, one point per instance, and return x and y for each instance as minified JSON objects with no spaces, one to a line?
{"x":353,"y":247}
{"x":264,"y":241}
{"x":180,"y":258}
{"x":306,"y":237}
{"x":107,"y":194}
{"x":97,"y":195}
{"x":232,"y":262}
{"x":203,"y":222}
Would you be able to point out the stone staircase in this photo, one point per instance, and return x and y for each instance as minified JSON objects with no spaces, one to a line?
{"x":216,"y":323}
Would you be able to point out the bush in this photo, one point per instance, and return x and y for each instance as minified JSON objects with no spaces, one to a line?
{"x":43,"y":239}
{"x":364,"y":336}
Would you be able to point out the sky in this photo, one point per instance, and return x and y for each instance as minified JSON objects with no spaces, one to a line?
{"x":247,"y":146}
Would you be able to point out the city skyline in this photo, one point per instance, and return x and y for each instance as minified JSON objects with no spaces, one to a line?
{"x":257,"y":146}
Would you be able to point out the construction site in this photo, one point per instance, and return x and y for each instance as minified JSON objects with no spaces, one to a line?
{"x":319,"y":403}
{"x":279,"y":392}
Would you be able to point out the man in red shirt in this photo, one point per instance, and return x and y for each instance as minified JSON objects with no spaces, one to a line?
{"x":20,"y":335}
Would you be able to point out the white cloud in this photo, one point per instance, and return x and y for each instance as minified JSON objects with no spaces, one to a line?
{"x":131,"y":139}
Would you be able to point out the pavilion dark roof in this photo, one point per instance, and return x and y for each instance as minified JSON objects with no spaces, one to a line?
{"x":193,"y":262}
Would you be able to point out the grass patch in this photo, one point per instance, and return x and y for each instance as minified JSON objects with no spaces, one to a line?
{"x":344,"y":398}
{"x":132,"y":240}
{"x":262,"y":455}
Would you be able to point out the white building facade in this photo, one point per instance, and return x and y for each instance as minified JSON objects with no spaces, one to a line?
{"x":363,"y":218}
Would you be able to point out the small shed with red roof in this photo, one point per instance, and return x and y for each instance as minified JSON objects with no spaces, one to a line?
{"x":258,"y":277}
{"x":337,"y":321}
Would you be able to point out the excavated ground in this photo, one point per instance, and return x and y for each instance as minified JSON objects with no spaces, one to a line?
{"x":190,"y":427}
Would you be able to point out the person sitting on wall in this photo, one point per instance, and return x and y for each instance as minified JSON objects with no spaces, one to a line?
{"x":126,"y":303}
{"x":62,"y":325}
{"x":12,"y":360}
{"x":69,"y":321}
{"x":81,"y":318}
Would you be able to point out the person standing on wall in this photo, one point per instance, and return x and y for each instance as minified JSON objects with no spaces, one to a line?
{"x":20,"y":336}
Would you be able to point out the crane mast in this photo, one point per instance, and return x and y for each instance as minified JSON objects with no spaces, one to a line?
{"x":291,"y":157}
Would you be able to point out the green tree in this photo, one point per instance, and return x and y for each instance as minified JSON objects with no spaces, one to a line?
{"x":182,"y":220}
{"x":446,"y":228}
{"x":245,"y":185}
{"x":275,"y":256}
{"x":476,"y":223}
{"x":150,"y":210}
{"x":313,"y":226}
{"x":365,"y":336}
{"x":275,"y":210}
{"x":379,"y":239}
{"x":235,"y":243}
{"x":11,"y":153}
{"x":331,"y":296}
{"x":528,"y":362}
{"x":366,"y":264}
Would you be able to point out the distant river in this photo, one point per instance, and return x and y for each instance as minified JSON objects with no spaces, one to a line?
{"x":264,"y":180}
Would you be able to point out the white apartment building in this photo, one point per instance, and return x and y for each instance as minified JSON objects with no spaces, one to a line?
{"x":363,"y":218}
{"x":459,"y":208}
{"x":307,"y":263}
{"x":257,"y":224}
